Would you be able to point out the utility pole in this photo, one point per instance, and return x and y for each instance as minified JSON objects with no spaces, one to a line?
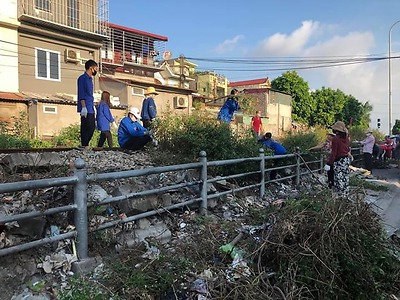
{"x":181,"y":75}
{"x":390,"y":77}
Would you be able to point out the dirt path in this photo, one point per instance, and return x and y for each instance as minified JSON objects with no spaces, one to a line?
{"x":387,"y":204}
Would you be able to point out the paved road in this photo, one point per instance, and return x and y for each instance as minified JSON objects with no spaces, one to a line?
{"x":387,"y":204}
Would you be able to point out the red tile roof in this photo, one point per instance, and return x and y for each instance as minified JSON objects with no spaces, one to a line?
{"x":12,"y":96}
{"x":136,"y":31}
{"x":248,"y":82}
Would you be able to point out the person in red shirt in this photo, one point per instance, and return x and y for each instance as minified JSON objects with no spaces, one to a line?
{"x":256,"y":123}
{"x":339,"y":159}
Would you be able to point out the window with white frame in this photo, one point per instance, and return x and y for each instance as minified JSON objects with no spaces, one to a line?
{"x":47,"y":109}
{"x":137,"y":91}
{"x":42,"y":5}
{"x":47,"y":64}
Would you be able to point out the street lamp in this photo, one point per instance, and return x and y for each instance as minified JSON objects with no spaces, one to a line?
{"x":390,"y":76}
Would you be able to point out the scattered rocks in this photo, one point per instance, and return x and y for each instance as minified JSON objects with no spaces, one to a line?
{"x":169,"y":230}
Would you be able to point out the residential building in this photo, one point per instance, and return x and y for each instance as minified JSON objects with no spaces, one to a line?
{"x":275,"y":107}
{"x":9,"y":46}
{"x":45,"y":45}
{"x":177,"y":72}
{"x":132,"y":60}
{"x":211,"y":85}
{"x":49,"y":41}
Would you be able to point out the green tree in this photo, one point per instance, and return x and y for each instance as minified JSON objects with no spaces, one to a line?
{"x":328,"y":107}
{"x":366,"y":114}
{"x":303,"y":105}
{"x":396,"y":127}
{"x":354,"y":111}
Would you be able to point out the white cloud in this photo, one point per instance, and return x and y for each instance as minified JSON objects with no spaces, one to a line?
{"x":365,"y":81}
{"x":228,"y":45}
{"x":282,"y":44}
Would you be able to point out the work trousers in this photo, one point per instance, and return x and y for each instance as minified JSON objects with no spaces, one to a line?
{"x":105,"y":135}
{"x":136,"y":142}
{"x":88,"y":125}
{"x":368,"y":161}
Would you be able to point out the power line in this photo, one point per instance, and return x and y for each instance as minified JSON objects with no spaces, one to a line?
{"x":264,"y":65}
{"x":310,"y":62}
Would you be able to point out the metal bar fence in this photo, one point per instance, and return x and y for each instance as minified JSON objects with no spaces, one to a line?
{"x":80,"y":181}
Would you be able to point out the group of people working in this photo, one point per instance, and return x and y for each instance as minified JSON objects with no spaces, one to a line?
{"x":132,"y":135}
{"x":388,"y":149}
{"x":338,"y":156}
{"x":336,"y":146}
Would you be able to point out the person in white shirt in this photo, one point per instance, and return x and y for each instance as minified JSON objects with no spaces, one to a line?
{"x":368,"y":146}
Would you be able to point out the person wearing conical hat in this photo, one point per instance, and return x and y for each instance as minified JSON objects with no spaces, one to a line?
{"x":149,"y":108}
{"x":339,"y":159}
{"x":326,"y":147}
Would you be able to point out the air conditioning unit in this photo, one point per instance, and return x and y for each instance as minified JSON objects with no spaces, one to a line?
{"x":72,"y":56}
{"x":181,"y":102}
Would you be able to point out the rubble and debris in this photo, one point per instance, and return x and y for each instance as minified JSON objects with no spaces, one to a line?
{"x":171,"y":232}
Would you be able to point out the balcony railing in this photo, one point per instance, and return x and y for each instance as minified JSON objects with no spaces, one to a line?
{"x":130,"y":47}
{"x":89,"y":16}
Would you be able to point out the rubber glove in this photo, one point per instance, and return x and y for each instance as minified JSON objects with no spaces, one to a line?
{"x":327,"y":167}
{"x":84,"y":112}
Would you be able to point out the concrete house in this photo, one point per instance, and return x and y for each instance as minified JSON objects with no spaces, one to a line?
{"x":275,"y":106}
{"x":211,"y":85}
{"x":132,"y":60}
{"x":46,"y":44}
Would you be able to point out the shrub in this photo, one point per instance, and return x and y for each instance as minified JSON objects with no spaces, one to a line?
{"x":357,"y":133}
{"x":302,"y":140}
{"x":11,"y":141}
{"x":70,"y":137}
{"x":21,"y":126}
{"x":186,"y":136}
{"x":37,"y":143}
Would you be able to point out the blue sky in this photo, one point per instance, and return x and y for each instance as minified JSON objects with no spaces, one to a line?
{"x":262,"y":29}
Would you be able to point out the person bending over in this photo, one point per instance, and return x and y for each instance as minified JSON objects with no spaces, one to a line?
{"x":131,"y":134}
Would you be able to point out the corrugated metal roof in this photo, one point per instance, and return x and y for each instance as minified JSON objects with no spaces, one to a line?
{"x":248,"y":82}
{"x":140,"y":32}
{"x":64,"y":99}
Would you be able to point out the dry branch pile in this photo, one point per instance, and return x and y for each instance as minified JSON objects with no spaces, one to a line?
{"x":314,"y":247}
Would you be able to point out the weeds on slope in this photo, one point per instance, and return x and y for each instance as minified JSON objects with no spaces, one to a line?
{"x":313,"y":247}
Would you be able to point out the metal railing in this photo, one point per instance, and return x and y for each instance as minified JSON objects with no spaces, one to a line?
{"x":89,"y":16}
{"x":80,"y":181}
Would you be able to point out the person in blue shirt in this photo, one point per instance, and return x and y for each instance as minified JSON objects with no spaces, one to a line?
{"x":149,"y":108}
{"x":85,"y":104}
{"x":227,"y":110}
{"x":277,"y":148}
{"x":104,"y":118}
{"x":131,"y":134}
